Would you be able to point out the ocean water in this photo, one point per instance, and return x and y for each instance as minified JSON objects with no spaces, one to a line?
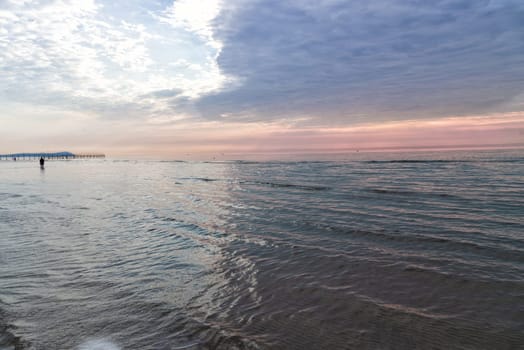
{"x":363,"y":251}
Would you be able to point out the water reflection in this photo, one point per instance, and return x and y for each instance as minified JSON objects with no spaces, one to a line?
{"x":363,"y":255}
{"x":288,"y":255}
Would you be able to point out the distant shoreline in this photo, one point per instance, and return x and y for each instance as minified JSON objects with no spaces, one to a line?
{"x":47,"y":155}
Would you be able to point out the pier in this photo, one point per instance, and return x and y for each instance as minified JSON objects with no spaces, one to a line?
{"x":48,"y":156}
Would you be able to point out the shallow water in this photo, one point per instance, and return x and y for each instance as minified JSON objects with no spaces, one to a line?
{"x":371,"y":251}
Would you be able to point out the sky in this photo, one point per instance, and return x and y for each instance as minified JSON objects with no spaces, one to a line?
{"x":213,"y":77}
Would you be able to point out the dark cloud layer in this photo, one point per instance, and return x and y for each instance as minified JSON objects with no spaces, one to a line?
{"x":349,"y":61}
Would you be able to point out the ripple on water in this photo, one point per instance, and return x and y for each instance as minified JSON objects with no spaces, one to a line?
{"x":401,"y":254}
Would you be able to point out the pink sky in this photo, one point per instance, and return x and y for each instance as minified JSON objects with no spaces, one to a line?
{"x":495,"y":131}
{"x":207,"y":139}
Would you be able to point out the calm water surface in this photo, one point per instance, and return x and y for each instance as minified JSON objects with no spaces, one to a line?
{"x":372,"y":251}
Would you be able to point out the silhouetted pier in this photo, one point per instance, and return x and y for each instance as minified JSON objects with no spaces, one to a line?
{"x":47,"y":156}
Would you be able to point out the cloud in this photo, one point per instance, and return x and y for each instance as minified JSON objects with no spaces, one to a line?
{"x":323,"y":62}
{"x":195,"y":17}
{"x":230,"y":74}
{"x":341,"y":62}
{"x":89,"y":56}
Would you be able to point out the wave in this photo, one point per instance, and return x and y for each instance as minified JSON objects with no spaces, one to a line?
{"x":416,"y":161}
{"x":8,"y":340}
{"x":287,"y":185}
{"x":481,"y":248}
{"x":10,"y":195}
{"x":430,"y":161}
{"x":305,"y":297}
{"x":304,"y":187}
{"x":204,"y":179}
{"x":410,"y":193}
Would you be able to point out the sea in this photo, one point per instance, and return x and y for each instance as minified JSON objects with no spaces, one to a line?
{"x":395,"y":250}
